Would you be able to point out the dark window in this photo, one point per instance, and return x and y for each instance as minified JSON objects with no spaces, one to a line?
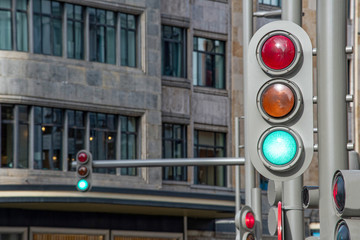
{"x":103,"y":129}
{"x":75,"y":31}
{"x":174,"y":146}
{"x":23,"y":150}
{"x":210,"y":144}
{"x":47,"y":27}
{"x":173,"y":51}
{"x":128,"y":143}
{"x":209,"y":63}
{"x":276,"y":3}
{"x":128,"y":40}
{"x":7,"y":136}
{"x":76,"y":134}
{"x":102,"y":36}
{"x":48,"y":138}
{"x":5,"y":25}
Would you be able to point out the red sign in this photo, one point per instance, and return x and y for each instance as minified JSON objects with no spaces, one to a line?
{"x":279,"y":227}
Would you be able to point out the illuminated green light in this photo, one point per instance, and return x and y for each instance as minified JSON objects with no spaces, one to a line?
{"x":82,"y":185}
{"x":279,"y":147}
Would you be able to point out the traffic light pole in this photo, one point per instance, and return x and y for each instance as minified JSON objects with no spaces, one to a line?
{"x":331,"y":105}
{"x":292,"y":201}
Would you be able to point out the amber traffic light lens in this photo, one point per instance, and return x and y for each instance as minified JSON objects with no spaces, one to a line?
{"x":82,"y":171}
{"x":278,"y":52}
{"x":278,"y":100}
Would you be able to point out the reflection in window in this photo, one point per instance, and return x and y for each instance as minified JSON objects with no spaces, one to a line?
{"x":76,"y":135}
{"x":48,"y":138}
{"x":102,"y":36}
{"x":75,"y":31}
{"x":103,"y":129}
{"x":128,"y":143}
{"x":5,"y":25}
{"x":174,"y":146}
{"x":210,"y":144}
{"x":209,"y":63}
{"x":47,"y":27}
{"x":173,"y":51}
{"x":128,"y":40}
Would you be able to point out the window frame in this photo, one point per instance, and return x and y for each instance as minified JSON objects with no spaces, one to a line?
{"x":213,"y":54}
{"x":215,"y":146}
{"x":73,"y":21}
{"x":182,"y":140}
{"x":182,"y":42}
{"x":276,"y":4}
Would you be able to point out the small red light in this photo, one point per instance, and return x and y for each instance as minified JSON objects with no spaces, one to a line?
{"x":278,"y":52}
{"x":339,"y":193}
{"x":249,"y":220}
{"x":82,"y":157}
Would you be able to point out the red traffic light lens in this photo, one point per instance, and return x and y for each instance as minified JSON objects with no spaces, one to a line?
{"x":339,"y":192}
{"x":278,"y":52}
{"x":249,"y":220}
{"x":82,"y":171}
{"x":278,"y":100}
{"x":82,"y":157}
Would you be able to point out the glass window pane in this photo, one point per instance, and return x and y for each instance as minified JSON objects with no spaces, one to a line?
{"x":37,"y":34}
{"x":100,"y":44}
{"x":100,"y":16}
{"x":69,"y":10}
{"x":23,"y":146}
{"x":21,"y":31}
{"x":21,"y":5}
{"x":5,"y":4}
{"x":57,"y":35}
{"x":131,"y":49}
{"x":70,"y":40}
{"x":46,"y":6}
{"x":79,"y":40}
{"x":219,"y":72}
{"x":79,"y":12}
{"x":56,"y":9}
{"x":37,"y":6}
{"x":131,"y":22}
{"x":46,"y":38}
{"x":7,"y":145}
{"x":110,"y":45}
{"x":110,"y":18}
{"x":123,"y":20}
{"x":5,"y":33}
{"x":123,"y":46}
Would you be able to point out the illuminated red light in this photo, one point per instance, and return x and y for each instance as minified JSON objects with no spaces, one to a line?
{"x":249,"y":220}
{"x":278,"y":52}
{"x":82,"y":157}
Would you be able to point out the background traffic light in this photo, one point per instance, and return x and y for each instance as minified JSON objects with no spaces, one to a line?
{"x":83,"y":170}
{"x":279,"y":101}
{"x":346,"y":197}
{"x":245,"y":223}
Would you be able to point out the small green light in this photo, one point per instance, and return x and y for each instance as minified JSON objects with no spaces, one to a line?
{"x":82,"y":185}
{"x":279,"y":147}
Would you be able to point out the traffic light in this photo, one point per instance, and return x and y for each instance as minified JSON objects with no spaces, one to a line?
{"x":279,"y":101}
{"x":346,"y":196}
{"x":83,"y":170}
{"x":245,"y":223}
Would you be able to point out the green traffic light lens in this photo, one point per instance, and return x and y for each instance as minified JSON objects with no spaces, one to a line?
{"x":279,"y":147}
{"x":83,"y":185}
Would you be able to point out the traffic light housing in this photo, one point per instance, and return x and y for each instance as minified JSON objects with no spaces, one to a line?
{"x":279,"y":101}
{"x":83,"y":170}
{"x":245,"y":223}
{"x":346,"y":196}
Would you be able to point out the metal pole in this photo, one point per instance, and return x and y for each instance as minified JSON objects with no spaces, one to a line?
{"x":247,"y":34}
{"x":237,"y":173}
{"x":292,"y":201}
{"x":166,"y":162}
{"x":332,"y":128}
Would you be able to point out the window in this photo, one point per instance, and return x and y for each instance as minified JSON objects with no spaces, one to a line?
{"x":47,"y":27}
{"x":102,"y":36}
{"x":276,"y":3}
{"x":48,"y":138}
{"x":5,"y":25}
{"x":210,"y":144}
{"x":14,"y":148}
{"x":75,"y":31}
{"x":128,"y":40}
{"x":76,"y":134}
{"x":103,"y":128}
{"x":174,"y":146}
{"x":173,"y":51}
{"x":209,"y":63}
{"x":128,"y":143}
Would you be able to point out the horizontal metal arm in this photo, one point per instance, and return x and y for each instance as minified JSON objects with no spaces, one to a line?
{"x":169,"y":162}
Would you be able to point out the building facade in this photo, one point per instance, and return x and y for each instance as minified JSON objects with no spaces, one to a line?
{"x":139,"y":79}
